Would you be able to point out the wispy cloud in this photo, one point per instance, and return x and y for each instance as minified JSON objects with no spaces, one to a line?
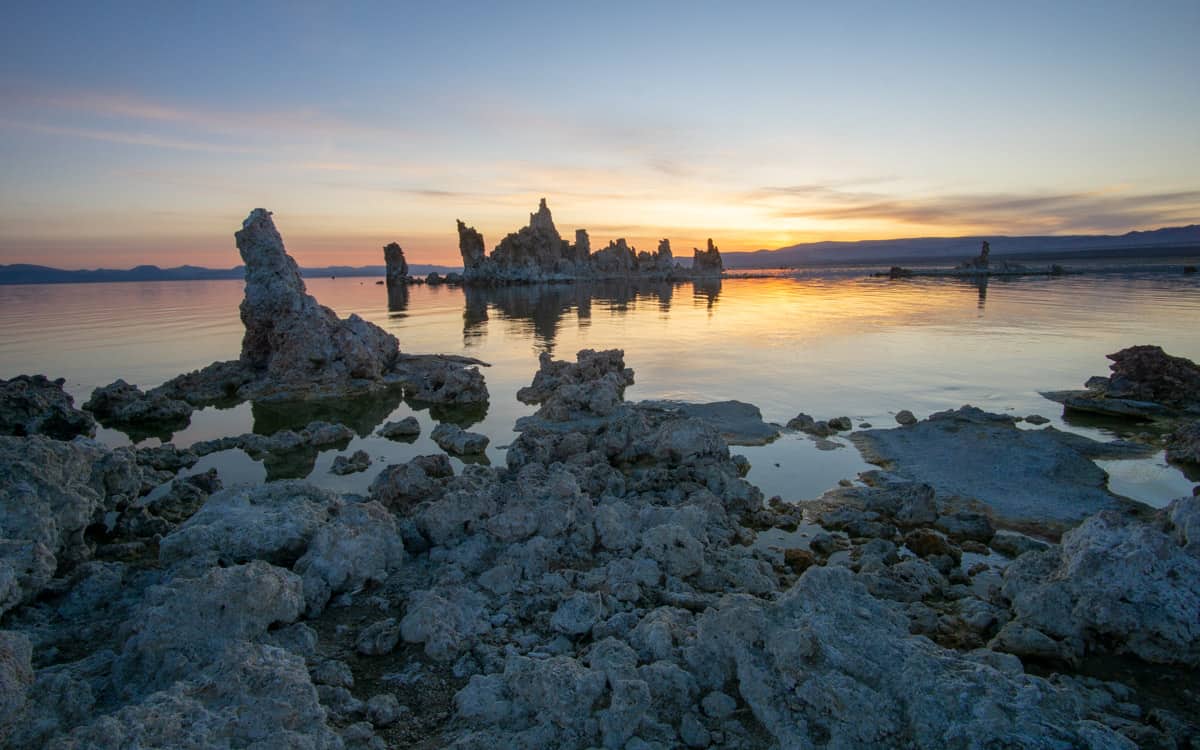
{"x":118,"y":107}
{"x":127,"y":138}
{"x":1102,"y":210}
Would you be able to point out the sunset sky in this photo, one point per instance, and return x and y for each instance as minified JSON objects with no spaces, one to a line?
{"x":145,"y":132}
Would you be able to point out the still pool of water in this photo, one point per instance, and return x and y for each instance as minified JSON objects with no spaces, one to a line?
{"x":827,"y":345}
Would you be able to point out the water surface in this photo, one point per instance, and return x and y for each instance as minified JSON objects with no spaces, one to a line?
{"x":826,"y":344}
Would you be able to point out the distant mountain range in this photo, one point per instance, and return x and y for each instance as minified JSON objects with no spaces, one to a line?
{"x":1167,"y":241}
{"x":24,"y":273}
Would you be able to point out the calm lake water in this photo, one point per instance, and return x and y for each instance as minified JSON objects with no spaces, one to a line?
{"x":828,"y":344}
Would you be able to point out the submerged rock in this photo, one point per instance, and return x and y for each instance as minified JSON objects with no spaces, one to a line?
{"x":408,"y":427}
{"x":358,"y":461}
{"x":738,"y":422}
{"x":442,"y":379}
{"x":36,"y":405}
{"x":1042,"y":478}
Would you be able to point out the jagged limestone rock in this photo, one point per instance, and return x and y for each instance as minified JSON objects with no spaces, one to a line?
{"x":294,"y":342}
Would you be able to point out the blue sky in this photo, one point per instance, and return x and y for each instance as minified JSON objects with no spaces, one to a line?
{"x":144,"y":132}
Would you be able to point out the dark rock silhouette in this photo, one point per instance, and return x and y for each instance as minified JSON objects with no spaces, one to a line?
{"x":538,"y":253}
{"x":707,"y":261}
{"x":470,"y":245}
{"x":397,"y":267}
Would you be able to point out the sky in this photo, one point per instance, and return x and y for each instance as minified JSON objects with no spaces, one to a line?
{"x":138,"y":133}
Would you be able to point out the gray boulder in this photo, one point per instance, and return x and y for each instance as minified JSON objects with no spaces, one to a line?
{"x":829,"y":660}
{"x":359,"y":546}
{"x":50,"y":493}
{"x":183,"y":626}
{"x":458,"y":441}
{"x":16,"y":677}
{"x":1114,"y":584}
{"x":273,"y":522}
{"x":247,"y":696}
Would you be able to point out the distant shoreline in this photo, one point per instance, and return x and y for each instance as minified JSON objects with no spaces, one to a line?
{"x":30,"y":274}
{"x":23,"y":274}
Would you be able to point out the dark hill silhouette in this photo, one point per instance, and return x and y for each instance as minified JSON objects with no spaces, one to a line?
{"x":1170,"y":240}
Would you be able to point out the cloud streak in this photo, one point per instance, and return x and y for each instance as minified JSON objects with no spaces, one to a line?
{"x":1063,"y":212}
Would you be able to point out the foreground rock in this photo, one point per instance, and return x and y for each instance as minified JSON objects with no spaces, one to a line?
{"x":36,"y":405}
{"x":1116,"y":584}
{"x":538,"y":253}
{"x":612,"y":586}
{"x":1042,"y":479}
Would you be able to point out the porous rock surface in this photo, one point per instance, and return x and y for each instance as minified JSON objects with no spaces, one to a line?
{"x":120,"y":404}
{"x":291,"y":340}
{"x":602,"y":589}
{"x":36,"y":405}
{"x":1114,"y":584}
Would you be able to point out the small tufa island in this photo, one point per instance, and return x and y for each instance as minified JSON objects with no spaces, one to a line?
{"x":538,"y":253}
{"x":981,"y":266}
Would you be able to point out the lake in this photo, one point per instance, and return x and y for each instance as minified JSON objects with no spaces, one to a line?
{"x":829,"y":343}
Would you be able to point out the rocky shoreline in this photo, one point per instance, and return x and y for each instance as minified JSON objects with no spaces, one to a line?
{"x":616,"y":583}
